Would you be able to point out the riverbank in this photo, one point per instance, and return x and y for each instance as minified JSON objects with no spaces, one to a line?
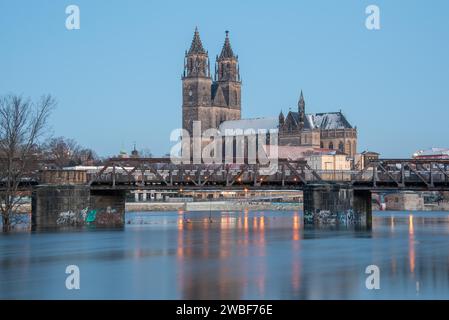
{"x":210,"y":206}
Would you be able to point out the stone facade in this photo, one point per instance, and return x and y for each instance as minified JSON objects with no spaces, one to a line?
{"x":211,"y":102}
{"x":404,"y":201}
{"x":63,"y":177}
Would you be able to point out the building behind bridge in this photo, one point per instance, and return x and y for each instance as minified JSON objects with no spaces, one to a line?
{"x":217,"y":104}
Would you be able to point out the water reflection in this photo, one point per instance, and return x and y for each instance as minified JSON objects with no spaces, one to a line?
{"x":233,"y":255}
{"x":411,"y":243}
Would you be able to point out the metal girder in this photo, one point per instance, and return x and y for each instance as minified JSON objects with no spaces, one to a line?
{"x":418,"y":175}
{"x":390,"y":175}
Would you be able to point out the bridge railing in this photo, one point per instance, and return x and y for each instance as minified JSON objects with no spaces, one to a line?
{"x":391,"y":173}
{"x":140,"y":171}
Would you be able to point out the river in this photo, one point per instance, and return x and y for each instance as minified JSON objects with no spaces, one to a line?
{"x":232,"y":255}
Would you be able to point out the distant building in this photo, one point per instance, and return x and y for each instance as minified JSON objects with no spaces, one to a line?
{"x":333,"y":160}
{"x":123,"y":154}
{"x":404,"y":201}
{"x":433,"y":153}
{"x":135,"y":153}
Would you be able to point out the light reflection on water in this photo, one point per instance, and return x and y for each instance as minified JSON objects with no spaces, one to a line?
{"x":232,"y":255}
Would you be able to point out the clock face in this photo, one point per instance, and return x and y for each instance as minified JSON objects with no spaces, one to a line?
{"x":190,"y":92}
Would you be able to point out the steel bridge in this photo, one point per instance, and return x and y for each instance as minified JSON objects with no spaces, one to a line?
{"x":161,"y":173}
{"x":330,"y":197}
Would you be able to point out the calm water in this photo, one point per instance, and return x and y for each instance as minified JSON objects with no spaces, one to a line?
{"x":255,"y":255}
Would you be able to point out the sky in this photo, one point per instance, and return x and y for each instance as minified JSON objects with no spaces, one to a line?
{"x":117,"y":79}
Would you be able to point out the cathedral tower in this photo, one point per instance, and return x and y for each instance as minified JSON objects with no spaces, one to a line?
{"x":204,"y":100}
{"x":196,"y":86}
{"x":226,"y":89}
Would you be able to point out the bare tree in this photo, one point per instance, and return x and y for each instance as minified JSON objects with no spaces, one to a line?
{"x":64,"y":152}
{"x":88,"y":157}
{"x":22,"y":124}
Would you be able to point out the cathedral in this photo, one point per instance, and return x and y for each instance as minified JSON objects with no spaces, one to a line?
{"x":211,"y":102}
{"x":217,"y":104}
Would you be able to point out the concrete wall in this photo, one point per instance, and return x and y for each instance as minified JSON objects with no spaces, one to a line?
{"x":211,"y":205}
{"x":336,"y":204}
{"x":362,"y":205}
{"x":64,"y":205}
{"x":109,"y":206}
{"x":75,"y":205}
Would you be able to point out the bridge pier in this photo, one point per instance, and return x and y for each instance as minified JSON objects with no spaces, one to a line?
{"x":109,"y":206}
{"x":66,"y":200}
{"x":336,"y":204}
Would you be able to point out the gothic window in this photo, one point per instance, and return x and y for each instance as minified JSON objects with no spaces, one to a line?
{"x":321,"y":145}
{"x":331,"y":145}
{"x":341,"y":146}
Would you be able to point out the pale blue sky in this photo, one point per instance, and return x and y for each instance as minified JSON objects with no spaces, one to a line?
{"x":117,"y":80}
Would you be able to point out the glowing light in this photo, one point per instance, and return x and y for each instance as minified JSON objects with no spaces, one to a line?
{"x":411,"y":229}
{"x":411,"y":243}
{"x":262,"y":223}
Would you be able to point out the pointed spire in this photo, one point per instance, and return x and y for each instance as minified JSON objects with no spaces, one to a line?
{"x":301,"y":98}
{"x":301,"y":103}
{"x":197,"y":45}
{"x":281,"y":118}
{"x":301,"y":111}
{"x":227,"y":52}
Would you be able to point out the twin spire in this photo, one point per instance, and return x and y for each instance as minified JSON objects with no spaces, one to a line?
{"x":196,"y":61}
{"x":197,"y":46}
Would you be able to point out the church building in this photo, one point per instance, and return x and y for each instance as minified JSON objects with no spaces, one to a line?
{"x":217,"y":104}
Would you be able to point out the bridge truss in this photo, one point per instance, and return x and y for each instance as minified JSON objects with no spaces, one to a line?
{"x":161,"y":173}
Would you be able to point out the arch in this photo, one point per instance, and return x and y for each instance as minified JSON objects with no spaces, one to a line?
{"x":321,"y":145}
{"x":331,"y":145}
{"x":341,"y":146}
